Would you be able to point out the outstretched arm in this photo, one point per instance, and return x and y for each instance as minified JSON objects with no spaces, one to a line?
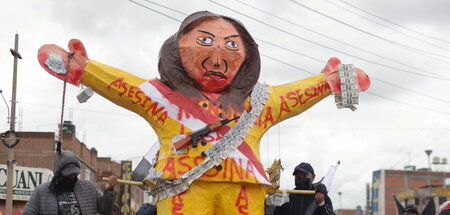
{"x":75,"y":67}
{"x":293,"y":98}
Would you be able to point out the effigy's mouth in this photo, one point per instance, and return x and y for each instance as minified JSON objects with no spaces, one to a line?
{"x":215,"y":75}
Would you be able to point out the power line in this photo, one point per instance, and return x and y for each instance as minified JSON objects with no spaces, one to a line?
{"x":290,"y":50}
{"x":373,"y":78}
{"x":327,"y":47}
{"x":391,"y":28}
{"x":156,"y":11}
{"x":288,"y":64}
{"x":393,"y":23}
{"x":413,"y":91}
{"x":163,"y":6}
{"x":407,"y":104}
{"x":389,"y":99}
{"x":395,"y":68}
{"x":331,"y":38}
{"x":367,"y":92}
{"x":309,"y":72}
{"x":409,"y":142}
{"x":415,"y":50}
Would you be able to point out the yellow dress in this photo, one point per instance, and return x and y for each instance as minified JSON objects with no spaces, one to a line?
{"x":237,"y":186}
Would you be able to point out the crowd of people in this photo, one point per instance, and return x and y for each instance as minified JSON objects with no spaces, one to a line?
{"x":66,"y":194}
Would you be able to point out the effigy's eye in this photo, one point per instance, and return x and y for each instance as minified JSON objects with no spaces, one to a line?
{"x":232,"y":44}
{"x":205,"y":40}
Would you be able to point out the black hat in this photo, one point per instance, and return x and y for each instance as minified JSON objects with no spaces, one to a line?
{"x":70,"y":168}
{"x":66,"y":163}
{"x":411,"y":208}
{"x":303,"y":167}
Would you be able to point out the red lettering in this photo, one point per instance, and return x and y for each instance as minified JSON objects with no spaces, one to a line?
{"x":162,"y":118}
{"x":237,"y":168}
{"x":219,"y":136}
{"x":214,"y":171}
{"x":170,"y":167}
{"x":242,"y":207}
{"x":138,"y":98}
{"x":180,"y":161}
{"x":283,"y":107}
{"x":321,"y":88}
{"x":300,"y":96}
{"x":125,"y":88}
{"x":258,"y":122}
{"x":198,"y":159}
{"x":183,"y":113}
{"x":147,"y":99}
{"x":293,"y":96}
{"x":177,"y":203}
{"x":132,"y":91}
{"x":154,"y":108}
{"x":116,"y":83}
{"x":308,"y":94}
{"x":225,"y":168}
{"x":269,"y":117}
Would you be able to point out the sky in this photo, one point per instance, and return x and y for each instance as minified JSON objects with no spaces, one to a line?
{"x":402,"y":45}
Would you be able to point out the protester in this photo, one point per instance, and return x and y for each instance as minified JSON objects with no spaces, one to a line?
{"x":445,"y":208}
{"x":410,"y":210}
{"x":68,"y":195}
{"x":306,"y":204}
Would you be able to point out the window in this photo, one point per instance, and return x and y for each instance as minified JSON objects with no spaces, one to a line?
{"x":88,"y":174}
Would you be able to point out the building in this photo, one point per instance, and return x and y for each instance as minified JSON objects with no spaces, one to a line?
{"x":34,"y":156}
{"x":402,"y":183}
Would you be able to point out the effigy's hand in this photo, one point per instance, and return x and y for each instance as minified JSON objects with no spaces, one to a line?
{"x":332,"y":74}
{"x":65,"y":65}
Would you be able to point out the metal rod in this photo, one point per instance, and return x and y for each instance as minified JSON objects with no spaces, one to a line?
{"x":309,"y":192}
{"x":121,"y":181}
{"x":140,"y":183}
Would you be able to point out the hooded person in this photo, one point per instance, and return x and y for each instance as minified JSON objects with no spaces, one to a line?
{"x":208,"y":74}
{"x":66,"y":194}
{"x":305,"y":204}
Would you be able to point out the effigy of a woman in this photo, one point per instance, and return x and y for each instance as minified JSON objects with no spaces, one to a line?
{"x":207,"y":109}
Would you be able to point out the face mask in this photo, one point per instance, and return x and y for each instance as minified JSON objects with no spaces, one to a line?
{"x":68,"y":182}
{"x":303,"y":183}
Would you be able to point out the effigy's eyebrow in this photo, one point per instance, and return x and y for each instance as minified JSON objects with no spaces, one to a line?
{"x":207,"y":33}
{"x":234,"y":35}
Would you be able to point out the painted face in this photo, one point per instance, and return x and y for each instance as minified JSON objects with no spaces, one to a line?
{"x":212,"y":53}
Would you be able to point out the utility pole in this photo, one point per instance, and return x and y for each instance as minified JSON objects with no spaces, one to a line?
{"x":12,"y":137}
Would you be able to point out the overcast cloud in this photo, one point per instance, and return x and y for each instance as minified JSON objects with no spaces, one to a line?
{"x":392,"y":126}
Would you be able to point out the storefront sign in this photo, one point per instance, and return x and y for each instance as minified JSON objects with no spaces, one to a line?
{"x":25,"y":180}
